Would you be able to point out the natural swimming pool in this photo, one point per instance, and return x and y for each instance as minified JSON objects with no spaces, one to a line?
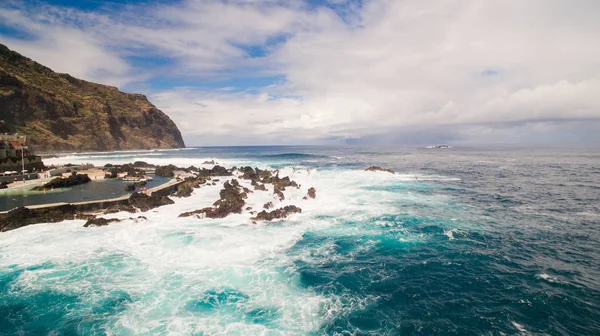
{"x":95,"y":190}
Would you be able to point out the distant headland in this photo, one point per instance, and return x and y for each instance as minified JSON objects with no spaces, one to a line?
{"x":60,"y":113}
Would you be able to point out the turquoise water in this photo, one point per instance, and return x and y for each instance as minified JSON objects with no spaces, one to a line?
{"x":463,"y":241}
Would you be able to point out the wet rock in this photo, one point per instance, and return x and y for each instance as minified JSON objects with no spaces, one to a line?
{"x":131,"y":170}
{"x":130,"y":187}
{"x":211,"y":162}
{"x":186,"y":188}
{"x":142,"y":164}
{"x":260,"y":187}
{"x":111,"y":174}
{"x":120,"y":207}
{"x":61,"y":182}
{"x":377,"y":168}
{"x":145,"y":202}
{"x":22,"y":216}
{"x":248,"y":208}
{"x":214,"y":171}
{"x":276,"y":214}
{"x":231,"y":201}
{"x":165,"y":171}
{"x":312,"y":193}
{"x":268,"y":205}
{"x":279,"y":194}
{"x":4,"y":185}
{"x":100,"y":222}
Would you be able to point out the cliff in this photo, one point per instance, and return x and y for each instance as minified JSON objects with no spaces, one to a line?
{"x":61,"y":113}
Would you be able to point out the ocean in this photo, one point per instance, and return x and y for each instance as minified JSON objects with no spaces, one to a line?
{"x":498,"y":240}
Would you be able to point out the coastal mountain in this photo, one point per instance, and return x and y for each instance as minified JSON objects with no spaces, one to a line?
{"x":61,"y":113}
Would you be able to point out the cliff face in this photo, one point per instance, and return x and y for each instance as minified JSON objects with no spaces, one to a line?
{"x":62,"y":113}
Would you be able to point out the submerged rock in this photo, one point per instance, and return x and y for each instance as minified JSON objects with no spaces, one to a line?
{"x":276,"y":214}
{"x":377,"y":168}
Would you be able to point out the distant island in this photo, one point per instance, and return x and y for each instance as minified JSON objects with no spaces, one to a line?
{"x":59,"y":113}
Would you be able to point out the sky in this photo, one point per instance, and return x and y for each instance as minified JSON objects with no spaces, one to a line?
{"x":258,"y":72}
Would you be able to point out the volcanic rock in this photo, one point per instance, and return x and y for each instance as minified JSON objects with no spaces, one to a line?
{"x":165,"y":171}
{"x":145,"y":202}
{"x":22,"y":216}
{"x":100,"y":222}
{"x":377,"y":168}
{"x":279,"y":213}
{"x":312,"y":193}
{"x":61,"y":182}
{"x":231,"y":201}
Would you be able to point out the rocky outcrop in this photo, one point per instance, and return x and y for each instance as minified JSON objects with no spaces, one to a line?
{"x":99,"y":221}
{"x":61,"y":182}
{"x":165,"y":171}
{"x":145,"y":202}
{"x":22,"y":216}
{"x":377,"y":168}
{"x":62,"y":113}
{"x":231,"y":201}
{"x":186,"y":188}
{"x":277,"y":214}
{"x":312,"y":193}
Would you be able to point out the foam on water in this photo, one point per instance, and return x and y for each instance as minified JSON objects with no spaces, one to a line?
{"x":439,"y":248}
{"x":189,"y":275}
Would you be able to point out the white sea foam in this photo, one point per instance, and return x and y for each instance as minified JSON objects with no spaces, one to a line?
{"x":519,"y":327}
{"x":166,"y":262}
{"x":548,"y":277}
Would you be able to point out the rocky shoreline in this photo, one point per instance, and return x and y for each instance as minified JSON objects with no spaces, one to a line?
{"x":232,"y":196}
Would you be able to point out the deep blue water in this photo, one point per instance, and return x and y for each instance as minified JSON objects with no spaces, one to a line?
{"x":464,"y":241}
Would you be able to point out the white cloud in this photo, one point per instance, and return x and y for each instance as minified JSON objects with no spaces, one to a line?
{"x":386,"y":65}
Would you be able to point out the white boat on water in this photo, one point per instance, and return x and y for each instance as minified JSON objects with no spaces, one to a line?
{"x":439,"y":147}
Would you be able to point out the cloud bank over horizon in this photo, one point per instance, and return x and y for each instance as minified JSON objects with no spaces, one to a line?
{"x":235,"y":72}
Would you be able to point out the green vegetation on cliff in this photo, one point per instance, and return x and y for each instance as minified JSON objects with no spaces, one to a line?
{"x":61,"y":113}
